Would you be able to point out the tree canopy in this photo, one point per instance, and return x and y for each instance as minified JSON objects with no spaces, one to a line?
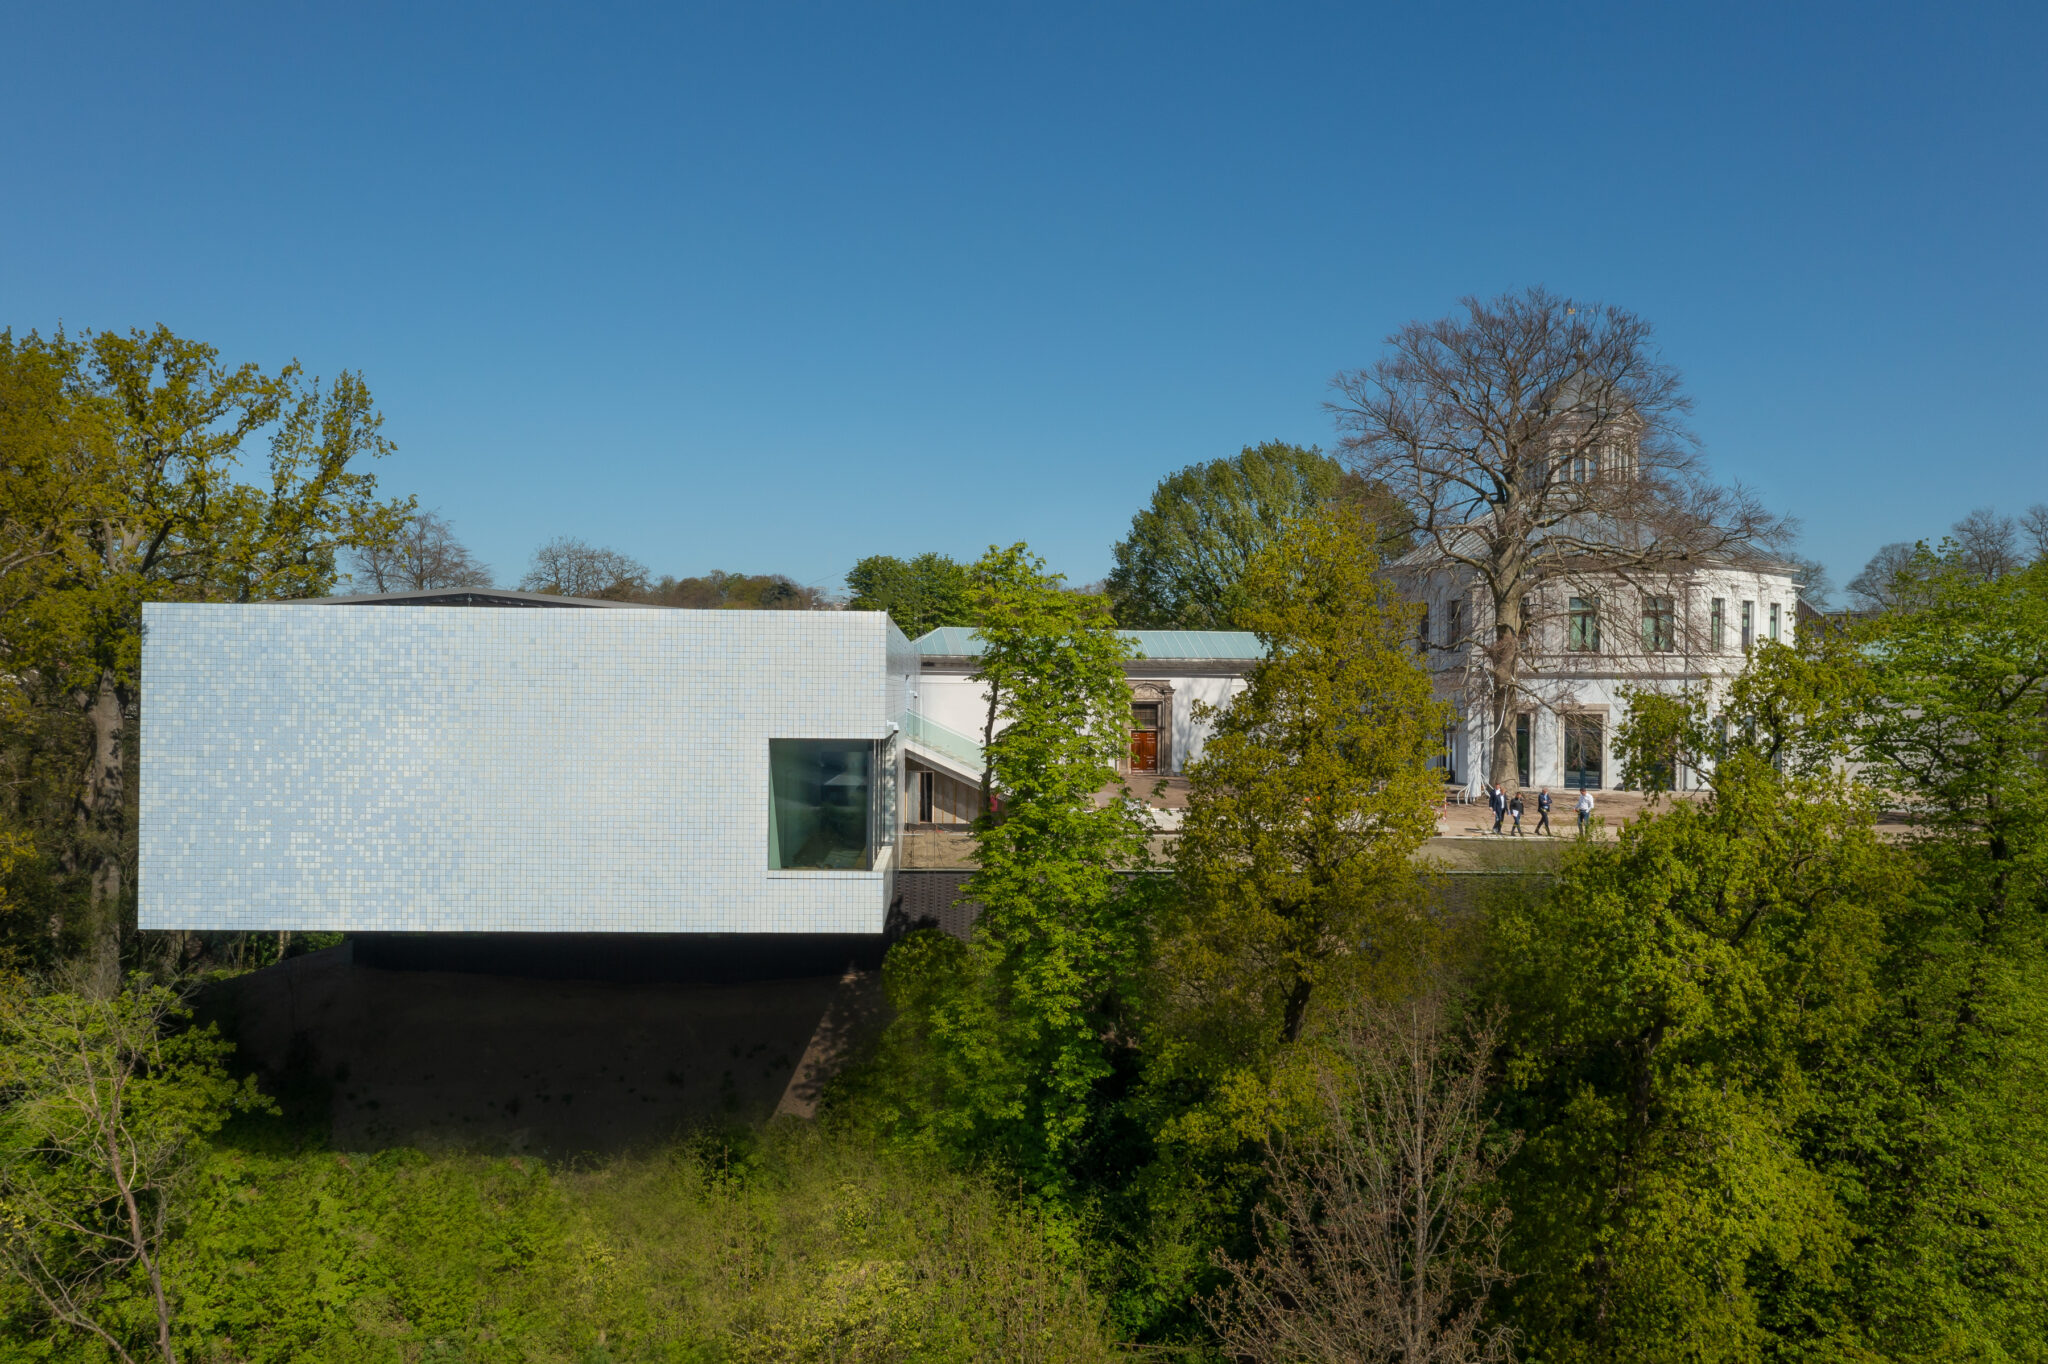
{"x":1183,"y":565}
{"x":120,"y":484}
{"x":920,"y":594}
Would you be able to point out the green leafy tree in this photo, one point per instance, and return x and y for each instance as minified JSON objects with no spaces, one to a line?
{"x":131,"y":446}
{"x":1691,"y":1012}
{"x":1019,"y":1028}
{"x":103,"y":1102}
{"x":1294,"y":896}
{"x":1293,"y":867}
{"x":1677,"y":998}
{"x":1942,"y":1129}
{"x":920,"y":594}
{"x":1796,"y":707}
{"x":1183,"y":564}
{"x":722,"y":591}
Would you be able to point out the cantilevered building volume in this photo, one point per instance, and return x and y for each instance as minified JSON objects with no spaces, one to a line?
{"x":539,"y":767}
{"x":366,"y":765}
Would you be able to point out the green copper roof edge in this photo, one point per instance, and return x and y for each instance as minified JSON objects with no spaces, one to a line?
{"x":958,"y":641}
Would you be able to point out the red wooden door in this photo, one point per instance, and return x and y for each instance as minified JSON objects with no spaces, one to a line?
{"x":1145,"y":750}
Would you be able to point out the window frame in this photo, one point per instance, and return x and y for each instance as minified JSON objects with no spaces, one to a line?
{"x":878,"y":804}
{"x":1659,"y":624}
{"x":1582,"y":630}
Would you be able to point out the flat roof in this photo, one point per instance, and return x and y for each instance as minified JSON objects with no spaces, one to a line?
{"x":963,"y":641}
{"x":458,"y":596}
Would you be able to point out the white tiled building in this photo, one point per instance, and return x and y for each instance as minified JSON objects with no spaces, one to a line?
{"x":390,"y":764}
{"x":1593,"y":636}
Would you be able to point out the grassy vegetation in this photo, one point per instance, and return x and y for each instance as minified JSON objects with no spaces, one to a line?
{"x":794,"y":1245}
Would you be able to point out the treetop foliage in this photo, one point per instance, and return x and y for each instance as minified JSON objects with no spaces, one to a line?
{"x":920,"y":594}
{"x":1018,"y":1027}
{"x":1182,"y":566}
{"x":568,"y":567}
{"x":719,"y":590}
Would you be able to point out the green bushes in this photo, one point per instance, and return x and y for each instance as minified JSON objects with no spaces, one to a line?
{"x":803,"y":1246}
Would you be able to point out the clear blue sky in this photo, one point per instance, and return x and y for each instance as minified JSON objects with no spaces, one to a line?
{"x":767,"y":288}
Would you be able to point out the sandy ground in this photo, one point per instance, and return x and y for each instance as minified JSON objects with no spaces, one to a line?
{"x":438,"y":1059}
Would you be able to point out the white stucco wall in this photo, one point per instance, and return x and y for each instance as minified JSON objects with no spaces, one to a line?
{"x":951,"y":697}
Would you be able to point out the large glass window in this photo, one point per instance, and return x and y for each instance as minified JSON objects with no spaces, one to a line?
{"x":1748,"y":625}
{"x":827,"y":799}
{"x":1583,"y":632}
{"x":1774,"y":620}
{"x":1717,"y":624}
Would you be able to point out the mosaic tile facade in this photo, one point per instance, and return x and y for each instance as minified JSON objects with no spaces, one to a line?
{"x":438,"y":769}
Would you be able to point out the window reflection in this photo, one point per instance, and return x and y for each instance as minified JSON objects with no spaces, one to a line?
{"x":822,"y":802}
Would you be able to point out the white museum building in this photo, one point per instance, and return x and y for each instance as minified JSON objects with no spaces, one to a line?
{"x":528,"y":764}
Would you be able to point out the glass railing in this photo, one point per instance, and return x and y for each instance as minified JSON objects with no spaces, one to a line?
{"x":939,"y":739}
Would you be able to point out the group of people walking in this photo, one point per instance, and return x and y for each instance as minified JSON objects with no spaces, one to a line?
{"x":1506,"y":807}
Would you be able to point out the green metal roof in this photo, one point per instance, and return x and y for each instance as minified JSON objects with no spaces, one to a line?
{"x":956,"y":641}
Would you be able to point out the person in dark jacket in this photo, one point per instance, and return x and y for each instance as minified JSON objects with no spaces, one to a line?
{"x":1515,"y":810}
{"x":1543,"y":812}
{"x":1499,"y":801}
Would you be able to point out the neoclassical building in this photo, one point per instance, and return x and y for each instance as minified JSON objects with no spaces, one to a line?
{"x":1590,"y":637}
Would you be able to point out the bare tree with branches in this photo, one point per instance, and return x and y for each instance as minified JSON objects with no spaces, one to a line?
{"x":1876,"y":588}
{"x":2034,"y":526}
{"x":567,"y":567}
{"x":424,"y":555}
{"x":1382,"y":1240}
{"x":1536,"y":438}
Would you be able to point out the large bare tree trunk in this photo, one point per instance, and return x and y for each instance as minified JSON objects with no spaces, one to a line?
{"x":1503,"y":682}
{"x":102,"y":817}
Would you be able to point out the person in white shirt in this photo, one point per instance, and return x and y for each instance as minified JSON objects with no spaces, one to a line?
{"x":1585,"y":808}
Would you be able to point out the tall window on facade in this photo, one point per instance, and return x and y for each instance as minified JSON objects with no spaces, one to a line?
{"x":1583,"y":631}
{"x":1774,"y":620}
{"x":825,"y":803}
{"x":1449,"y":761}
{"x":1717,"y":624}
{"x":1422,"y":630}
{"x":1145,"y":737}
{"x":1454,"y":626}
{"x":1660,"y":625}
{"x":1524,"y":724}
{"x":1748,"y":625}
{"x":1585,"y":744}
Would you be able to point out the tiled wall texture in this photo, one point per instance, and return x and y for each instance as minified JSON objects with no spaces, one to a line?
{"x":439,"y":769}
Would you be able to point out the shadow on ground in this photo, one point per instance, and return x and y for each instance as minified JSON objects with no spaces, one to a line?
{"x":439,"y":1059}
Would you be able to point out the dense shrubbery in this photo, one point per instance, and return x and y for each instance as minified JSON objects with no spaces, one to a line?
{"x":793,"y":1246}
